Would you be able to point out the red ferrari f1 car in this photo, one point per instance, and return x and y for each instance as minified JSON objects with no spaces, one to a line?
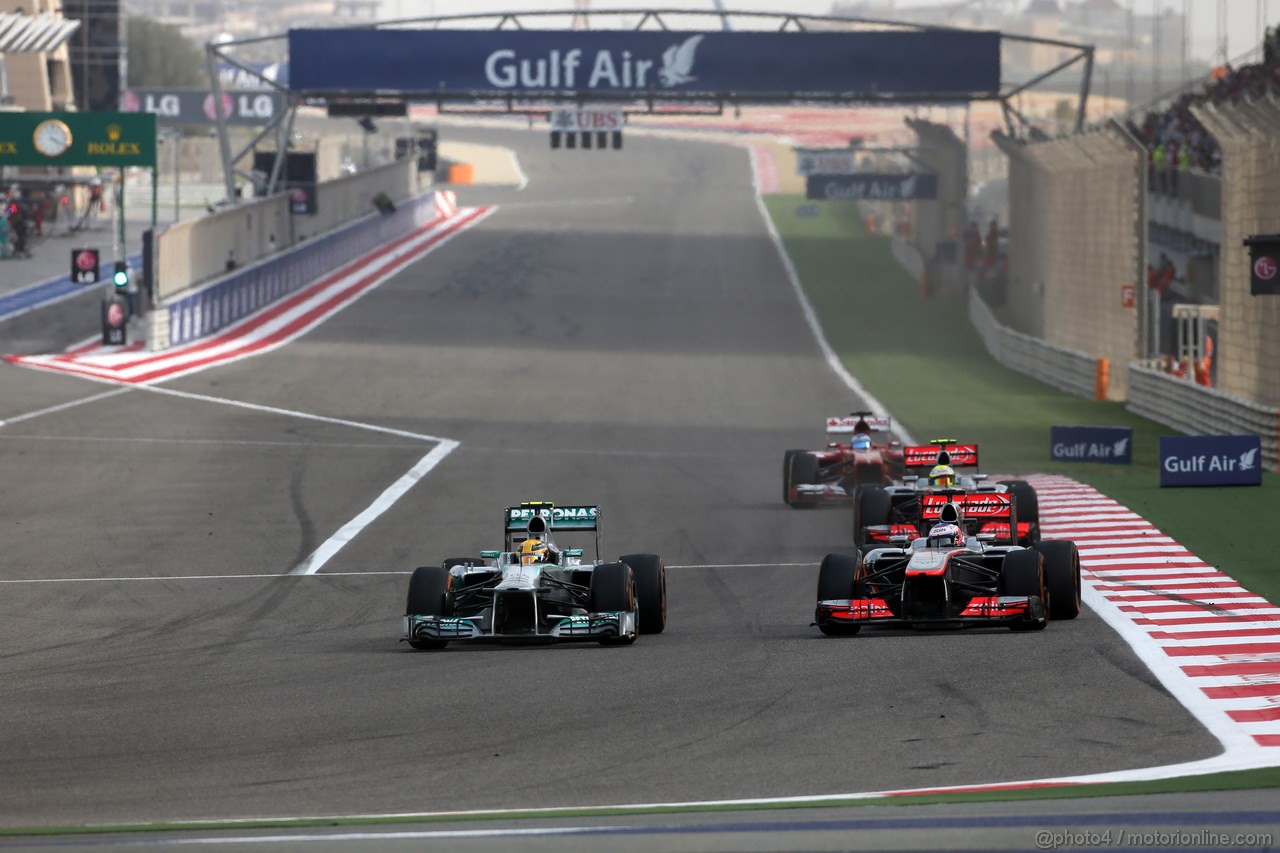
{"x":812,"y":478}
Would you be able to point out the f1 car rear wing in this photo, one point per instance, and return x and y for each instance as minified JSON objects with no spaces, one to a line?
{"x":974,"y":510}
{"x":978,"y":506}
{"x":559,"y":517}
{"x":940,"y":453}
{"x":864,"y":422}
{"x":538,"y":518}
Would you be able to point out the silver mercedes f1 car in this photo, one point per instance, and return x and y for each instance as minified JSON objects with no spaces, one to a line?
{"x":534,"y":589}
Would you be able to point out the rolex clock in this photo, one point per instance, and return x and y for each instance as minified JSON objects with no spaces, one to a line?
{"x":52,"y":137}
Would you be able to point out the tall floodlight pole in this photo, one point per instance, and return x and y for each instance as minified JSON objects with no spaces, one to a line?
{"x":1186,"y":61}
{"x":1131,"y":54}
{"x":1221,"y":53}
{"x":1155,"y":48}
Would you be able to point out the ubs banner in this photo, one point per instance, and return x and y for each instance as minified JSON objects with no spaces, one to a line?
{"x":951,"y":63}
{"x":1210,"y":460}
{"x":199,"y":107}
{"x":1091,"y":444}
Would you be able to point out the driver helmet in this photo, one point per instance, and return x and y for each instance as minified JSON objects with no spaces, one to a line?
{"x":532,"y":551}
{"x":942,"y":475}
{"x":945,"y":534}
{"x":862,"y":441}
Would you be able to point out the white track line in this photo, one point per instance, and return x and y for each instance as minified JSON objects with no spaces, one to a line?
{"x":381,"y":504}
{"x":62,"y":407}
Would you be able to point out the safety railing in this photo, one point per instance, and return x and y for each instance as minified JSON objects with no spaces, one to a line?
{"x":1193,"y":409}
{"x":1066,"y":369}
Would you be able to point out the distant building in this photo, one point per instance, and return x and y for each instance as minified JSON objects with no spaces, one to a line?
{"x":38,"y":81}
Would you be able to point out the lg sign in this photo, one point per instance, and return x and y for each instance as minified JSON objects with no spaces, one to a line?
{"x":200,"y":107}
{"x":1265,"y":268}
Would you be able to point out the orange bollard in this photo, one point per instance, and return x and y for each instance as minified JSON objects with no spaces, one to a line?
{"x":1102,"y":379}
{"x":461,"y":173}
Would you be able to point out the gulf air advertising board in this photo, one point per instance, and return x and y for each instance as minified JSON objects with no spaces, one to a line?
{"x":955,"y":64}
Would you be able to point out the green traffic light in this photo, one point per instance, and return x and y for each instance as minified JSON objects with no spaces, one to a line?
{"x":121,"y":277}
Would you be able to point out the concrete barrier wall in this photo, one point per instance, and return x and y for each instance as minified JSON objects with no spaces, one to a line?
{"x":1248,"y":344}
{"x":235,"y":296}
{"x":1066,"y":369}
{"x":938,"y":224}
{"x":193,"y":252}
{"x":1196,"y":410}
{"x":1077,"y":236}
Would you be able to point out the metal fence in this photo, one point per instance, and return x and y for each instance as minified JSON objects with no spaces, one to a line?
{"x":1063,"y":368}
{"x":1196,"y":410}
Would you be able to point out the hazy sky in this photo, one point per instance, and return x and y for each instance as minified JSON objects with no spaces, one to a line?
{"x":1242,"y":15}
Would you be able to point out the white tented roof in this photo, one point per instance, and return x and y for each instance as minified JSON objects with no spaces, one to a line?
{"x":33,"y":33}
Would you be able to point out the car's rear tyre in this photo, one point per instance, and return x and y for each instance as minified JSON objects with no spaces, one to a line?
{"x":804,"y":469}
{"x":838,"y":580}
{"x":1028,"y":506}
{"x":613,"y":589}
{"x":1023,"y":575}
{"x":650,"y":575}
{"x":1061,"y":576}
{"x":872,"y":506}
{"x":787,"y":458}
{"x":428,"y":596}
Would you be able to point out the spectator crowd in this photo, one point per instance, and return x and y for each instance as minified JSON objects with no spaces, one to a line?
{"x":1176,"y":140}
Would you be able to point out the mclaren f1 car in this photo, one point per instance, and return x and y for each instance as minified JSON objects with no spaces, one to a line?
{"x":938,"y":473}
{"x":949,"y":579}
{"x":536,"y":589}
{"x":813,"y":478}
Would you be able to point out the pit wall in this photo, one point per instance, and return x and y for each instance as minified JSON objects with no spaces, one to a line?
{"x":1077,"y":225}
{"x":232,"y":297}
{"x":1248,"y":343}
{"x":189,"y":254}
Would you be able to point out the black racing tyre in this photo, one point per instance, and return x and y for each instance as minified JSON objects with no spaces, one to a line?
{"x":868,"y":474}
{"x":786,"y":474}
{"x":428,"y":596}
{"x":613,"y":588}
{"x":1023,"y":574}
{"x":804,"y":469}
{"x":1026,"y":499}
{"x":837,"y":580}
{"x":872,"y":506}
{"x":650,"y":574}
{"x":1061,"y":576}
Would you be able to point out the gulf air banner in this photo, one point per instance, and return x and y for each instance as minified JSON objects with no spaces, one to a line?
{"x":1210,"y":460}
{"x":958,"y":64}
{"x":1091,"y":444}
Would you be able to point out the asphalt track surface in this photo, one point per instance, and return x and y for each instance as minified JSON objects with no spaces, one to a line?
{"x":620,"y":332}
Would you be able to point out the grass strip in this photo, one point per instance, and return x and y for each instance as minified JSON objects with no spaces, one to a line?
{"x":1236,"y":780}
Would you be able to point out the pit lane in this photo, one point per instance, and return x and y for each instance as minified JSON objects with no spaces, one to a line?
{"x":621,"y":332}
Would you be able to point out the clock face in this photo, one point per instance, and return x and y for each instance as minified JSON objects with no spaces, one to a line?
{"x":52,"y":137}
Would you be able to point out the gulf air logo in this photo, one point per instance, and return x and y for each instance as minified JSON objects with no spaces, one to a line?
{"x":506,"y":69}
